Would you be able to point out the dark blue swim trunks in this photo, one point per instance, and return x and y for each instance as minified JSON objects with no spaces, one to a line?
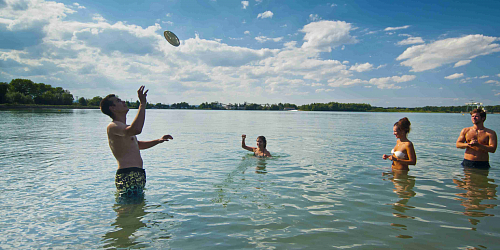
{"x":130,"y":181}
{"x":476,"y":164}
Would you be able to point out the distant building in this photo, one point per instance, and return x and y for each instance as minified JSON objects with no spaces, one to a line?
{"x":474,"y":105}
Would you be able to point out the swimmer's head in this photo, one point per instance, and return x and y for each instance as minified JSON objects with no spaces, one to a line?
{"x":403,"y":125}
{"x":261,"y":139}
{"x":480,"y":112}
{"x":106,"y":103}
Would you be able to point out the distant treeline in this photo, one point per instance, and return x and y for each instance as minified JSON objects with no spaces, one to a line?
{"x":24,"y":91}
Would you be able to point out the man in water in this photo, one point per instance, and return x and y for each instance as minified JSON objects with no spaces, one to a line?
{"x":478,"y":141}
{"x":130,"y":177}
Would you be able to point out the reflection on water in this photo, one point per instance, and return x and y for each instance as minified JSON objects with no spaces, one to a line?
{"x":403,"y":187}
{"x":261,"y":166}
{"x":477,"y":187}
{"x":129,"y":215}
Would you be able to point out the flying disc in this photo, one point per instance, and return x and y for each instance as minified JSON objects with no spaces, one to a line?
{"x":171,"y":38}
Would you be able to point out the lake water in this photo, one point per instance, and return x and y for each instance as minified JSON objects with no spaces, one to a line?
{"x":324,"y":188}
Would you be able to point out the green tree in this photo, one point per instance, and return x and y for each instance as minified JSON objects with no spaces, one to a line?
{"x":82,"y":101}
{"x":96,"y":101}
{"x":23,"y":86}
{"x":19,"y":98}
{"x":4,"y":87}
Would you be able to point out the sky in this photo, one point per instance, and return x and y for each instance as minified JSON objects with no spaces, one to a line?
{"x":383,"y":53}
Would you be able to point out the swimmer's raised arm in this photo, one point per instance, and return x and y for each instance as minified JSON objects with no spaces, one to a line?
{"x":135,"y":128}
{"x":243,"y":145}
{"x":149,"y":144}
{"x":138,"y":123}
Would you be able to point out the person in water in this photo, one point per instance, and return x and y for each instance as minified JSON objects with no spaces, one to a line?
{"x":260,"y":150}
{"x":403,"y":154}
{"x":130,"y":177}
{"x":478,"y":141}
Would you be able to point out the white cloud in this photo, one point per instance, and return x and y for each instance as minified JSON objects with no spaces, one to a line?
{"x":390,"y":82}
{"x":397,"y":28}
{"x":314,"y":18}
{"x":168,"y":15}
{"x":79,"y":6}
{"x":482,"y":77}
{"x":262,"y":39}
{"x":462,"y":63}
{"x":246,"y":32}
{"x":411,"y":40}
{"x":98,"y":18}
{"x":324,"y":90}
{"x":343,"y":81}
{"x":455,"y":76}
{"x":325,"y":35}
{"x":244,"y":4}
{"x":493,"y":82}
{"x":362,"y":67}
{"x":333,"y":5}
{"x":429,"y":56}
{"x":18,"y":16}
{"x":267,"y":14}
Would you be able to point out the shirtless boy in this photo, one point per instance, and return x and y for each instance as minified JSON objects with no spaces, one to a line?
{"x":130,"y":177}
{"x":478,"y":141}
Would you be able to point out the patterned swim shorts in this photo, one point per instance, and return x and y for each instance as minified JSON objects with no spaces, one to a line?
{"x":130,"y":181}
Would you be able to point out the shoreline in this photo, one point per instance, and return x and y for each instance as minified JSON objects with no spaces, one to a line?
{"x":36,"y":106}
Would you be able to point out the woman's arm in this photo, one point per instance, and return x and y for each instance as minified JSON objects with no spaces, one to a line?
{"x":243,"y":137}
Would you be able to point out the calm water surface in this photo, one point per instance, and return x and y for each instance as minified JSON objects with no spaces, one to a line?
{"x":325,"y":187}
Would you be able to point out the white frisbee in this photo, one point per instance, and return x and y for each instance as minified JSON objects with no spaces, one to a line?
{"x":171,"y":38}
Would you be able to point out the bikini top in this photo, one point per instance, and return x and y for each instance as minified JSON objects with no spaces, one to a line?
{"x":398,"y":154}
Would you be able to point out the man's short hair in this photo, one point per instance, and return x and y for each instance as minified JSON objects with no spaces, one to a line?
{"x":479,"y":111}
{"x":106,"y":103}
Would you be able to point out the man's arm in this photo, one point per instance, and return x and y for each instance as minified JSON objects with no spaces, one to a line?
{"x":136,"y":126}
{"x":149,"y":144}
{"x":243,"y":137}
{"x":461,"y":139}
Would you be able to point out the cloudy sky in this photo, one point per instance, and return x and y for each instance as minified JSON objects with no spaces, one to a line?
{"x":384,"y":53}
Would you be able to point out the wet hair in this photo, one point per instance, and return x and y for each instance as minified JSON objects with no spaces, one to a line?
{"x":106,"y":103}
{"x":403,"y":124}
{"x":263,"y":139}
{"x":480,"y":112}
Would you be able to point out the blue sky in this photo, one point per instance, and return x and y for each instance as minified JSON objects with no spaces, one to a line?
{"x":384,"y":53}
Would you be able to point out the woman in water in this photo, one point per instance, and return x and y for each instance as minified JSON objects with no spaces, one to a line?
{"x":403,"y":153}
{"x":260,"y":150}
